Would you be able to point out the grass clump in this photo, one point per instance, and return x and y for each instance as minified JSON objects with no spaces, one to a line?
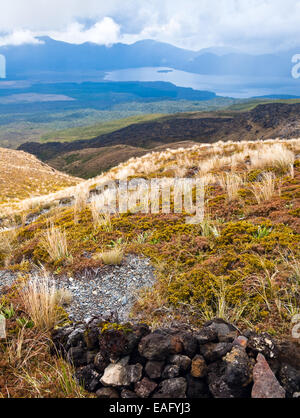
{"x":54,"y":242}
{"x":112,"y":257}
{"x":231,"y":183}
{"x":41,"y":300}
{"x":265,"y":189}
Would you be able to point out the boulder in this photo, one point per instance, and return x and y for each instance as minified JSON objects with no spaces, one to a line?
{"x":121,"y":374}
{"x":154,"y":369}
{"x":159,"y":345}
{"x":76,"y":337}
{"x":171,"y":371}
{"x":189,"y":343}
{"x":88,"y":378}
{"x":199,"y":367}
{"x":265,"y":383}
{"x":213,"y":352}
{"x":197,"y":388}
{"x":115,"y":343}
{"x":100,"y":363}
{"x":289,"y":378}
{"x":107,"y":393}
{"x":60,"y":337}
{"x":172,"y":388}
{"x":206,"y":335}
{"x":77,"y":356}
{"x":145,"y":387}
{"x":128,"y":394}
{"x":183,"y":362}
{"x":263,"y":344}
{"x":239,"y":368}
{"x":225,"y":331}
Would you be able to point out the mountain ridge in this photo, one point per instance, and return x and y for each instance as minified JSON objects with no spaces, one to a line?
{"x":53,"y":55}
{"x":262,"y":122}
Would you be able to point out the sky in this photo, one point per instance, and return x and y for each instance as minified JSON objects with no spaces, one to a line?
{"x":250,"y":25}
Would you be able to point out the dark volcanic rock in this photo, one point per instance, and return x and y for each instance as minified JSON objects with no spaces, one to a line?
{"x":213,"y":352}
{"x":159,"y":345}
{"x":225,"y":332}
{"x":239,"y":368}
{"x":107,"y":393}
{"x":177,"y":362}
{"x":172,"y":388}
{"x":115,"y":343}
{"x":197,"y":388}
{"x":289,"y":378}
{"x":77,"y":356}
{"x":263,"y":344}
{"x":100,"y":362}
{"x":154,"y":369}
{"x":60,"y":338}
{"x":189,"y":342}
{"x":128,"y":394}
{"x":88,"y":378}
{"x":171,"y":371}
{"x":145,"y":387}
{"x":206,"y":335}
{"x":183,"y":362}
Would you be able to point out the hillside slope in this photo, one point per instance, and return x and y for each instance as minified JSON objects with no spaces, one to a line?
{"x":275,"y":120}
{"x":239,"y":263}
{"x":22,"y":176}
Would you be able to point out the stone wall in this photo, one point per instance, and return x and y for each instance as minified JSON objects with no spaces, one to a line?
{"x":216,"y":361}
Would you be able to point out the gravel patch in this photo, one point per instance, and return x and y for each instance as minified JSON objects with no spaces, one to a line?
{"x":108,"y":289}
{"x":6,"y":279}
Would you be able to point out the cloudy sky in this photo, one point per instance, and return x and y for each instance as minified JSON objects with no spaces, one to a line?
{"x":252,"y":25}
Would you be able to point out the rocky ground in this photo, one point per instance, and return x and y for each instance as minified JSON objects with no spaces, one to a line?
{"x":216,"y":361}
{"x":7,"y":279}
{"x":101,"y":290}
{"x":111,"y":289}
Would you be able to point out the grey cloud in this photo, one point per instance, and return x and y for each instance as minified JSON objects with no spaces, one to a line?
{"x":257,"y":25}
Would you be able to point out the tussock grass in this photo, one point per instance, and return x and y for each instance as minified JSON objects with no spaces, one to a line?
{"x":209,"y":228}
{"x":41,"y":297}
{"x":24,"y":348}
{"x":265,"y":189}
{"x":7,"y":245}
{"x":277,"y":156}
{"x":32,"y":372}
{"x":54,"y":242}
{"x":100,"y":218}
{"x":80,"y":199}
{"x":222,"y":308}
{"x":39,"y":384}
{"x":231,"y":183}
{"x":111,"y":257}
{"x":273,"y":153}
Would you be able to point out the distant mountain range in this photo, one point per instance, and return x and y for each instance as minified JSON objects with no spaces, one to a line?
{"x":33,"y":61}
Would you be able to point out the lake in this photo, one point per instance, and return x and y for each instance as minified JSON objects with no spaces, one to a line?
{"x":228,"y":86}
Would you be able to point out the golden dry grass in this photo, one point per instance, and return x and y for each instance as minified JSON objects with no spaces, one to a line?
{"x":23,"y":176}
{"x":54,"y":242}
{"x":265,"y":189}
{"x":231,"y":183}
{"x":111,"y":257}
{"x":41,"y":299}
{"x":210,"y":159}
